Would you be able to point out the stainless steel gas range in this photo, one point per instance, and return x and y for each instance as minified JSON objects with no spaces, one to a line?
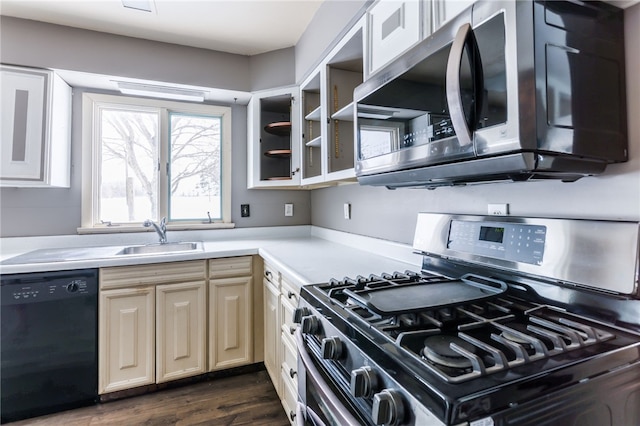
{"x":510,"y":321}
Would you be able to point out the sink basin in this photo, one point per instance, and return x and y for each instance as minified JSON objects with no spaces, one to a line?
{"x":160,"y":248}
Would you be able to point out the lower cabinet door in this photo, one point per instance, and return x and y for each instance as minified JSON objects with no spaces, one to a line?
{"x":230,"y":322}
{"x":272,"y":333}
{"x":126,"y":338}
{"x":180,"y":330}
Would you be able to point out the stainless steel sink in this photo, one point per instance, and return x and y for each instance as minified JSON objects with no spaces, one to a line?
{"x":160,"y":248}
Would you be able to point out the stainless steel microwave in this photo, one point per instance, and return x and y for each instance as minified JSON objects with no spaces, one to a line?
{"x":507,"y":90}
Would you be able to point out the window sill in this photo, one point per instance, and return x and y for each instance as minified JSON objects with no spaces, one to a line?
{"x":117,"y":229}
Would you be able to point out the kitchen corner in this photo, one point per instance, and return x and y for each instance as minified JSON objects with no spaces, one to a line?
{"x":309,"y":254}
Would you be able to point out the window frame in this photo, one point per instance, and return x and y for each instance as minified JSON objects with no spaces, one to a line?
{"x":91,"y":160}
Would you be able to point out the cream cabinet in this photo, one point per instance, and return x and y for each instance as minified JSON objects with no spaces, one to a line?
{"x":180,"y":330}
{"x":152,"y":322}
{"x":281,"y":356}
{"x":272,"y":325}
{"x":289,"y":294}
{"x":273,"y":139}
{"x":230,"y":312}
{"x":126,"y":338}
{"x":35,"y":113}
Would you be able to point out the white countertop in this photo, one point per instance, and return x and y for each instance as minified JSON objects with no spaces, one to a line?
{"x":306,"y":254}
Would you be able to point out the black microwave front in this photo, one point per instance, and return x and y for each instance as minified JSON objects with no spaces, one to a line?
{"x":505,"y":82}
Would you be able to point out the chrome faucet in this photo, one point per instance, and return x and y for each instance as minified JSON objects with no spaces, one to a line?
{"x":161,"y":228}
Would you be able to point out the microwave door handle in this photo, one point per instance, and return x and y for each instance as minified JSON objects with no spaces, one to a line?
{"x":454,"y":95}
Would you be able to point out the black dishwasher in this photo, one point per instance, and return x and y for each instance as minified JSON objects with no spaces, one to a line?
{"x":49,"y":352}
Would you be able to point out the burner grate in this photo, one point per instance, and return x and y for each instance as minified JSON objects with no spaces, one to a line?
{"x":498,"y":343}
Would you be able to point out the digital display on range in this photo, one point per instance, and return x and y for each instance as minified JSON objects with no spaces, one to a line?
{"x":515,"y":242}
{"x":491,"y":234}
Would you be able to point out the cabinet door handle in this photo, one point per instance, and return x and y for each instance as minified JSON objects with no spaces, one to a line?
{"x":292,"y":415}
{"x":267,"y":274}
{"x":291,"y":295}
{"x":292,"y":373}
{"x":292,"y":330}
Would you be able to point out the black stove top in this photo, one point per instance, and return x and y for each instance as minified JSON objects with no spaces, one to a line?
{"x":470,"y":339}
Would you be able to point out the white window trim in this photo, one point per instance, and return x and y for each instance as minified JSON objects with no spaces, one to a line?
{"x":90,"y":160}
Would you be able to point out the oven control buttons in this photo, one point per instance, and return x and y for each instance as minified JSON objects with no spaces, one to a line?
{"x":388,"y":408}
{"x":310,"y":324}
{"x":300,"y":313}
{"x":331,"y":348}
{"x":364,"y":382}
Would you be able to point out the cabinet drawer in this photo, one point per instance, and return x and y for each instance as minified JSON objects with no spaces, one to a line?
{"x":230,"y":267}
{"x":137,"y":275}
{"x":289,"y":398}
{"x":286,"y":314}
{"x":271,"y":274}
{"x":289,"y":359}
{"x":290,"y":290}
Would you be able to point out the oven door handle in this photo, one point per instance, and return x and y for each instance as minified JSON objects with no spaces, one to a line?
{"x":304,"y":413}
{"x":336,"y":407}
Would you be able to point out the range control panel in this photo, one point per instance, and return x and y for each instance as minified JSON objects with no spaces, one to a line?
{"x":508,"y":241}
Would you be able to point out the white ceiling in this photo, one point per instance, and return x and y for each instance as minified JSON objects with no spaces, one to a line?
{"x":245,"y":27}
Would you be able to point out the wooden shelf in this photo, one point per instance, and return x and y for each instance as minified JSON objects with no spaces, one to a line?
{"x":278,"y":153}
{"x":280,"y":128}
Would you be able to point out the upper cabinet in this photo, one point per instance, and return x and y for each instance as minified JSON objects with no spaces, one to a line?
{"x":393,"y":27}
{"x":444,"y":10}
{"x":273,"y":139}
{"x":344,"y":73}
{"x":327,"y":112}
{"x":313,"y":128}
{"x":36,"y":128}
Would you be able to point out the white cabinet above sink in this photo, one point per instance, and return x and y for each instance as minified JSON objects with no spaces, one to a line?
{"x":36,"y":128}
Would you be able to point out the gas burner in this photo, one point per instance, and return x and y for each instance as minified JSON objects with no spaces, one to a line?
{"x":437,"y":349}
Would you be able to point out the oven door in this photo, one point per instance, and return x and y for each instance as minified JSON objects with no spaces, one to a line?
{"x":320,"y":402}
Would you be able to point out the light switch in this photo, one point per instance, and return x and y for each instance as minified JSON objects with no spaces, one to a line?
{"x":288,"y":209}
{"x":347,"y":211}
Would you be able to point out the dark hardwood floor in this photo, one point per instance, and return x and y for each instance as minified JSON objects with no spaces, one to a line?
{"x":246,"y":399}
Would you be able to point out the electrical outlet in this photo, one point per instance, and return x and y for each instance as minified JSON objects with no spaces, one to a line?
{"x":244,"y":210}
{"x":288,"y":209}
{"x":347,"y":211}
{"x":498,"y":209}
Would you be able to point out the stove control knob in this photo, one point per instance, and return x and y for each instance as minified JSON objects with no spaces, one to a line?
{"x":310,"y":324}
{"x":300,"y":313}
{"x":364,"y":382}
{"x":331,"y":348}
{"x":388,"y":408}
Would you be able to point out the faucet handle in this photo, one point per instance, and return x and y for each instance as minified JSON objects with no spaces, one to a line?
{"x":163,"y":222}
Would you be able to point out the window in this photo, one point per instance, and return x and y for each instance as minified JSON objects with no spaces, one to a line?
{"x":150,"y":159}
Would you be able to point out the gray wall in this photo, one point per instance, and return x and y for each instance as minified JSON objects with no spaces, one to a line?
{"x":333,"y":18}
{"x":31,"y":211}
{"x":272,"y":69}
{"x":391,"y":215}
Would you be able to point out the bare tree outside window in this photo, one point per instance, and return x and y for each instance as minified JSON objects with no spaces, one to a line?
{"x":195,"y":169}
{"x":129,"y":180}
{"x":131,"y":166}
